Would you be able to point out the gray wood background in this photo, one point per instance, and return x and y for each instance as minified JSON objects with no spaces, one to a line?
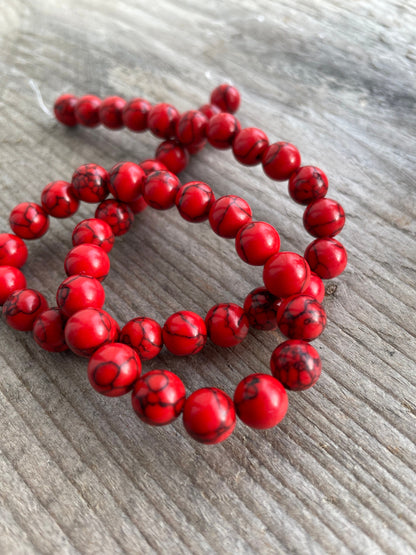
{"x":79,"y":473}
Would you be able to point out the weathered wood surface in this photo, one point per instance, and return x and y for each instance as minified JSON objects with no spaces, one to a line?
{"x":79,"y":473}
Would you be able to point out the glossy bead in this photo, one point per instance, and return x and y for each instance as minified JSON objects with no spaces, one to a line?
{"x":162,"y":120}
{"x":158,"y":397}
{"x":90,"y":183}
{"x":226,"y":97}
{"x":307,"y":183}
{"x":49,"y":331}
{"x":280,"y":160}
{"x":58,"y":199}
{"x":249,"y":146}
{"x":28,"y":220}
{"x":286,"y":273}
{"x":144,"y":335}
{"x":209,"y":415}
{"x":221,"y":130}
{"x":87,"y":110}
{"x":259,"y":306}
{"x":194,"y":201}
{"x":316,"y":288}
{"x":196,"y":147}
{"x":89,"y":260}
{"x":64,"y":109}
{"x":126,"y":180}
{"x":227,"y":324}
{"x":191,"y":127}
{"x":117,"y":214}
{"x":13,"y":251}
{"x":260,"y":401}
{"x":296,"y":364}
{"x":228,"y":215}
{"x":138,"y":205}
{"x":111,"y":112}
{"x":93,"y":231}
{"x":256,"y":242}
{"x":11,"y":279}
{"x":135,"y":114}
{"x":301,"y":317}
{"x":327,"y":257}
{"x":89,"y":329}
{"x":209,"y":110}
{"x":78,"y":292}
{"x":152,"y":165}
{"x":173,"y":155}
{"x":22,"y":308}
{"x":324,"y":218}
{"x":160,"y":189}
{"x":184,"y":333}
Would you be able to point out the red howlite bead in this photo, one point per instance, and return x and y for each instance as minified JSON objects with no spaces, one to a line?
{"x":89,"y":329}
{"x":111,"y":112}
{"x":228,"y":215}
{"x":226,"y":97}
{"x":324,"y":218}
{"x":280,"y":160}
{"x":221,"y":130}
{"x":249,"y":146}
{"x":79,"y":292}
{"x":260,"y":309}
{"x":135,"y":114}
{"x":301,"y":317}
{"x":93,"y":231}
{"x":162,"y":120}
{"x":144,"y":335}
{"x":173,"y":155}
{"x":160,"y":190}
{"x":49,"y":331}
{"x":196,"y":147}
{"x":28,"y":220}
{"x":64,"y":109}
{"x":117,"y":214}
{"x":209,"y":415}
{"x":327,"y":257}
{"x":184,"y":333}
{"x":87,"y":110}
{"x":138,"y":205}
{"x":126,"y":180}
{"x":152,"y":165}
{"x":22,"y":308}
{"x":13,"y":251}
{"x":256,"y":242}
{"x":191,"y":127}
{"x":286,"y":273}
{"x":90,"y":183}
{"x":158,"y":397}
{"x":260,"y":401}
{"x":58,"y":199}
{"x":194,"y":201}
{"x":209,"y":110}
{"x":11,"y":279}
{"x":227,"y":324}
{"x":296,"y":364}
{"x":316,"y":288}
{"x":89,"y":260}
{"x":307,"y":183}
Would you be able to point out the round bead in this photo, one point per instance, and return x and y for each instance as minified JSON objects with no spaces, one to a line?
{"x":135,"y":114}
{"x":58,"y":199}
{"x":184,"y":333}
{"x":307,"y":183}
{"x":221,"y":130}
{"x":260,"y":401}
{"x":209,"y":110}
{"x":64,"y":109}
{"x":144,"y":335}
{"x":89,"y":260}
{"x":194,"y":201}
{"x":158,"y":397}
{"x":126,"y":180}
{"x":87,"y":110}
{"x":22,"y":308}
{"x":78,"y":292}
{"x":316,"y":288}
{"x":256,"y":242}
{"x":227,"y":324}
{"x":162,"y":120}
{"x":89,"y":329}
{"x":111,"y":112}
{"x":280,"y":160}
{"x":209,"y":415}
{"x":49,"y":331}
{"x":152,"y":165}
{"x":260,"y":309}
{"x":28,"y":220}
{"x":191,"y":127}
{"x":160,"y":189}
{"x":13,"y":251}
{"x":324,"y":218}
{"x":196,"y":147}
{"x":93,"y":231}
{"x":249,"y":146}
{"x":286,"y":273}
{"x":226,"y":97}
{"x":228,"y":215}
{"x":327,"y":257}
{"x":90,"y":183}
{"x":296,"y":364}
{"x":174,"y":156}
{"x":138,"y":205}
{"x":301,"y":317}
{"x":11,"y":279}
{"x":117,"y":214}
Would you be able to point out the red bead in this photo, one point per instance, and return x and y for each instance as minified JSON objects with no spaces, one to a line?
{"x":144,"y":335}
{"x":90,"y":183}
{"x":162,"y":120}
{"x":64,"y":109}
{"x":260,"y":401}
{"x":327,"y":257}
{"x":191,"y":127}
{"x":228,"y":215}
{"x":126,"y":180}
{"x":135,"y":114}
{"x":89,"y":260}
{"x":286,"y":273}
{"x":221,"y":130}
{"x":28,"y":220}
{"x":197,"y":147}
{"x":87,"y":110}
{"x":194,"y":201}
{"x":89,"y":329}
{"x":307,"y":184}
{"x":58,"y":199}
{"x":158,"y":397}
{"x":93,"y":231}
{"x":227,"y":324}
{"x":226,"y":97}
{"x":301,"y":317}
{"x":22,"y":308}
{"x":13,"y":251}
{"x":151,"y":165}
{"x":174,"y":156}
{"x":11,"y":279}
{"x":138,"y":205}
{"x":316,"y":288}
{"x":249,"y":146}
{"x":296,"y":364}
{"x":324,"y":218}
{"x":160,"y":189}
{"x":184,"y":333}
{"x":256,"y":242}
{"x":111,"y":112}
{"x":117,"y":214}
{"x":78,"y":292}
{"x":49,"y":331}
{"x":209,"y":110}
{"x":209,"y":415}
{"x":260,"y":309}
{"x":280,"y":160}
